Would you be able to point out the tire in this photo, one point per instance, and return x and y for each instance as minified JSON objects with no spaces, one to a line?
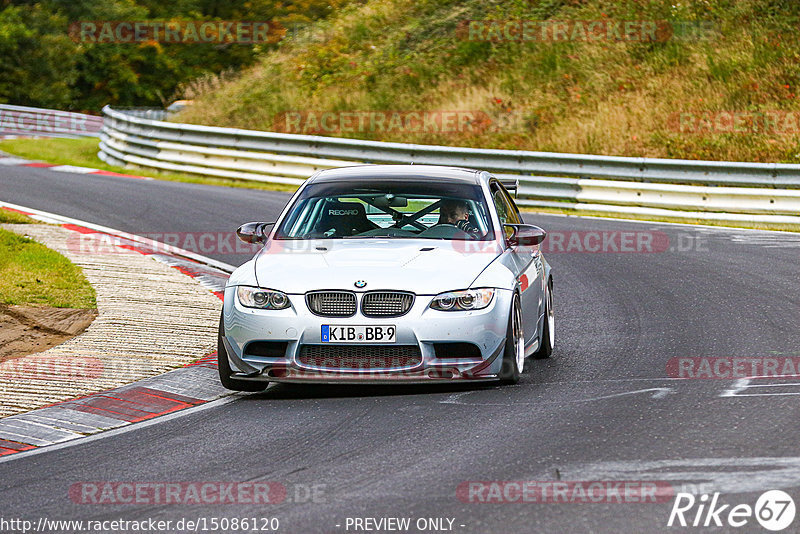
{"x":514,"y":350}
{"x":548,"y":339}
{"x":225,"y":370}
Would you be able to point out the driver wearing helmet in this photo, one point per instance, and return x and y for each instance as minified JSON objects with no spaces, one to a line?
{"x":456,"y":213}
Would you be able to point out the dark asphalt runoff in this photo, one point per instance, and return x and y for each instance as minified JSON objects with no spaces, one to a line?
{"x":603,"y":409}
{"x":183,"y":211}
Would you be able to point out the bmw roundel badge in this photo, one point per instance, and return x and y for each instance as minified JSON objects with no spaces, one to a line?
{"x":360,"y":283}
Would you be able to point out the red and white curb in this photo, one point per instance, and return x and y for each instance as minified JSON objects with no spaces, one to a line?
{"x":177,"y":390}
{"x":182,"y":389}
{"x":8,"y":160}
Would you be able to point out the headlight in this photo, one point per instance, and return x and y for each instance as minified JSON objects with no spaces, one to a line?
{"x":470,"y":299}
{"x":264,"y":299}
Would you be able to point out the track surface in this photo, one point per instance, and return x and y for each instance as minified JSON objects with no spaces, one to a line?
{"x":402,"y":451}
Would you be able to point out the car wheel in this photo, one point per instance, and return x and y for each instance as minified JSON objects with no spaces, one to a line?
{"x":548,"y":339}
{"x":514,"y":353}
{"x":225,"y":370}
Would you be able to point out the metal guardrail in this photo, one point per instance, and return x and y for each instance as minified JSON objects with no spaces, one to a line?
{"x":157,"y":114}
{"x":707,"y":190}
{"x":25,"y":121}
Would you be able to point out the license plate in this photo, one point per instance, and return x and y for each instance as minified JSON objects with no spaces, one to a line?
{"x":359,"y":334}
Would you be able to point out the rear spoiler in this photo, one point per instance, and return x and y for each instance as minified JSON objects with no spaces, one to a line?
{"x":511,"y":184}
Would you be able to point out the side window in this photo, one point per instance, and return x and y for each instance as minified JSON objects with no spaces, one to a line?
{"x":506,"y":211}
{"x":502,"y":212}
{"x":513,"y":206}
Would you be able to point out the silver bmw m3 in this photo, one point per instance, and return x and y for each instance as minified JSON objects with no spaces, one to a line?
{"x":389,"y":273}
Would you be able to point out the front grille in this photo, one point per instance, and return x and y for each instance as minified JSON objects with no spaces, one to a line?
{"x":386,"y":303}
{"x":332,"y":303}
{"x":360,"y":357}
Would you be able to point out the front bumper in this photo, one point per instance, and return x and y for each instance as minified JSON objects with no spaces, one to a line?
{"x":421,"y":327}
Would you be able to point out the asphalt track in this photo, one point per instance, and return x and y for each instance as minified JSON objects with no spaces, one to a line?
{"x":603,"y":408}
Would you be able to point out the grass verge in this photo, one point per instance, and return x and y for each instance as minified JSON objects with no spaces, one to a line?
{"x":33,"y":275}
{"x":83,"y":153}
{"x":12,"y":217}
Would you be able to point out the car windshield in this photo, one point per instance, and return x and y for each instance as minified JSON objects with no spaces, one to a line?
{"x":388,"y":209}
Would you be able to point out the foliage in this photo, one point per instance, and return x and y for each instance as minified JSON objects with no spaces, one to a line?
{"x":42,"y":65}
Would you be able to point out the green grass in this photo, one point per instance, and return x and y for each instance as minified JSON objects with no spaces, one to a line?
{"x":582,"y":96}
{"x":78,"y":152}
{"x":33,"y":275}
{"x":12,"y":217}
{"x":83,"y":153}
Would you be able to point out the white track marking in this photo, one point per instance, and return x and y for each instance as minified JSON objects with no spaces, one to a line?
{"x":744,"y":384}
{"x":456,"y":398}
{"x":725,"y":475}
{"x":659,"y":393}
{"x":73,"y":169}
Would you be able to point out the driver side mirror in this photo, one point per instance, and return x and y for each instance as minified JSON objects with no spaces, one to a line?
{"x":525,"y":235}
{"x":254,"y":232}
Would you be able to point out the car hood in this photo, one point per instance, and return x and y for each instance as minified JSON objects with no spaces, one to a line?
{"x":423,"y":266}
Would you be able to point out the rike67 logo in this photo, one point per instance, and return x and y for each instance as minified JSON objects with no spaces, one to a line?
{"x":774,"y":510}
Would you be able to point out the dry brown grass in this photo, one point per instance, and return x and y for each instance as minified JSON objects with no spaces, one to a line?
{"x":598,"y":98}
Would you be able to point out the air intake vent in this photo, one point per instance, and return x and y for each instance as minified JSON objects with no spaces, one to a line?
{"x":266,"y":349}
{"x":360,"y":357}
{"x":457,"y":350}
